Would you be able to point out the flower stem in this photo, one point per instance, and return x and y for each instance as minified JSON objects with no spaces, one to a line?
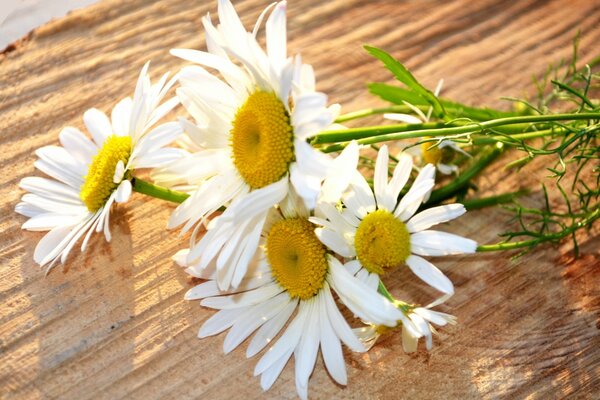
{"x":158,"y":192}
{"x":384,"y":133}
{"x":553,"y":237}
{"x":488,"y":155}
{"x":517,"y":138}
{"x":483,"y":202}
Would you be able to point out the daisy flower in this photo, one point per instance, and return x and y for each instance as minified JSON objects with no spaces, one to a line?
{"x":421,"y":319}
{"x":439,"y":153}
{"x":88,"y":175}
{"x":293,"y":273}
{"x":251,"y":129}
{"x":381,"y":232}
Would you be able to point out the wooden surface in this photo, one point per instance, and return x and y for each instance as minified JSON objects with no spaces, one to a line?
{"x":115,"y":325}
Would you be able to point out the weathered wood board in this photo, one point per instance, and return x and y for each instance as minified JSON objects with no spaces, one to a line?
{"x":115,"y":325}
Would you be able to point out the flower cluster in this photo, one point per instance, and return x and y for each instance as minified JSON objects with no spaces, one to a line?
{"x":284,"y":235}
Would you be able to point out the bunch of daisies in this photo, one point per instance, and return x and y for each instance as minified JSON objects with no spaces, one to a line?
{"x":275,"y":226}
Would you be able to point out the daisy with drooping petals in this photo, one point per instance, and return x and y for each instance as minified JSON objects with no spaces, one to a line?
{"x":293,"y":272}
{"x":439,"y":153}
{"x":252,"y":128}
{"x":421,"y":324}
{"x":382,"y":232}
{"x":88,"y":176}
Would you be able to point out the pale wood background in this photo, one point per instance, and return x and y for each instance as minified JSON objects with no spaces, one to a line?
{"x":115,"y":324}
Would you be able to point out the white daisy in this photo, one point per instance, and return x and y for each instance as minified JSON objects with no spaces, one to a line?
{"x":88,"y":176}
{"x":438,"y":153}
{"x":421,"y":324}
{"x":292,"y":273}
{"x":251,"y":128}
{"x":423,"y":319}
{"x":381,"y":232}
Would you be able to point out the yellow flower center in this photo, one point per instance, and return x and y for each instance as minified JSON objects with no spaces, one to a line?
{"x":381,"y":242}
{"x":98,"y":184}
{"x":431,"y":153}
{"x":262,"y":140}
{"x":298,"y":259}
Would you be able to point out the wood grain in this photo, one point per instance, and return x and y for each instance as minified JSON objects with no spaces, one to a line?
{"x":115,"y":325}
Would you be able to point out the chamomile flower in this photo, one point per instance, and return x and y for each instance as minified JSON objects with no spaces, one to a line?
{"x":251,"y":129}
{"x":421,"y":321}
{"x":292,"y":273}
{"x":381,"y":232}
{"x":423,"y":318}
{"x":439,"y":153}
{"x":88,"y":175}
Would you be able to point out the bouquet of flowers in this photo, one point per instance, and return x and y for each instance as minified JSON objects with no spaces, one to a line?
{"x":290,"y":215}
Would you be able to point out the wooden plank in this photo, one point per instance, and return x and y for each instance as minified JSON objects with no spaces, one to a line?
{"x":115,"y":325}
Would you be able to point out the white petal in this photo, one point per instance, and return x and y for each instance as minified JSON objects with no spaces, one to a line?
{"x":51,"y":189}
{"x":59,"y":164}
{"x":120,"y":116}
{"x":50,"y":242}
{"x":359,"y":198}
{"x":276,"y":36}
{"x":311,"y":161}
{"x":436,"y":243}
{"x":306,"y":352}
{"x":413,"y":199}
{"x":435,"y":215}
{"x":340,"y":174}
{"x":399,"y":179}
{"x":48,"y":221}
{"x":367,"y":304}
{"x":430,"y":274}
{"x":123,"y":192}
{"x":98,"y":125}
{"x":220,"y":321}
{"x":243,"y":299}
{"x":409,"y":342}
{"x":74,"y":141}
{"x":330,"y":345}
{"x":288,"y":341}
{"x":259,"y":200}
{"x":381,"y":175}
{"x":158,"y":158}
{"x":253,"y":319}
{"x":335,"y":242}
{"x":270,"y":329}
{"x":339,"y":324}
{"x":307,"y":186}
{"x":119,"y":172}
{"x":406,"y":118}
{"x":308,"y":107}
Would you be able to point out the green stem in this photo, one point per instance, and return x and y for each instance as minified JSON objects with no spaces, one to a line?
{"x":158,"y":192}
{"x":445,"y":192}
{"x":517,"y":138}
{"x":594,"y":215}
{"x":384,"y":133}
{"x":483,"y":202}
{"x":405,"y":307}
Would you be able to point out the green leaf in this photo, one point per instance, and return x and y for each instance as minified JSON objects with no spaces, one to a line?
{"x":397,"y":95}
{"x":403,"y":75}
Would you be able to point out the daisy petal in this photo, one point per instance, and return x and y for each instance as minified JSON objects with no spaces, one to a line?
{"x":98,"y":125}
{"x":435,"y":215}
{"x":430,"y":274}
{"x":436,"y":243}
